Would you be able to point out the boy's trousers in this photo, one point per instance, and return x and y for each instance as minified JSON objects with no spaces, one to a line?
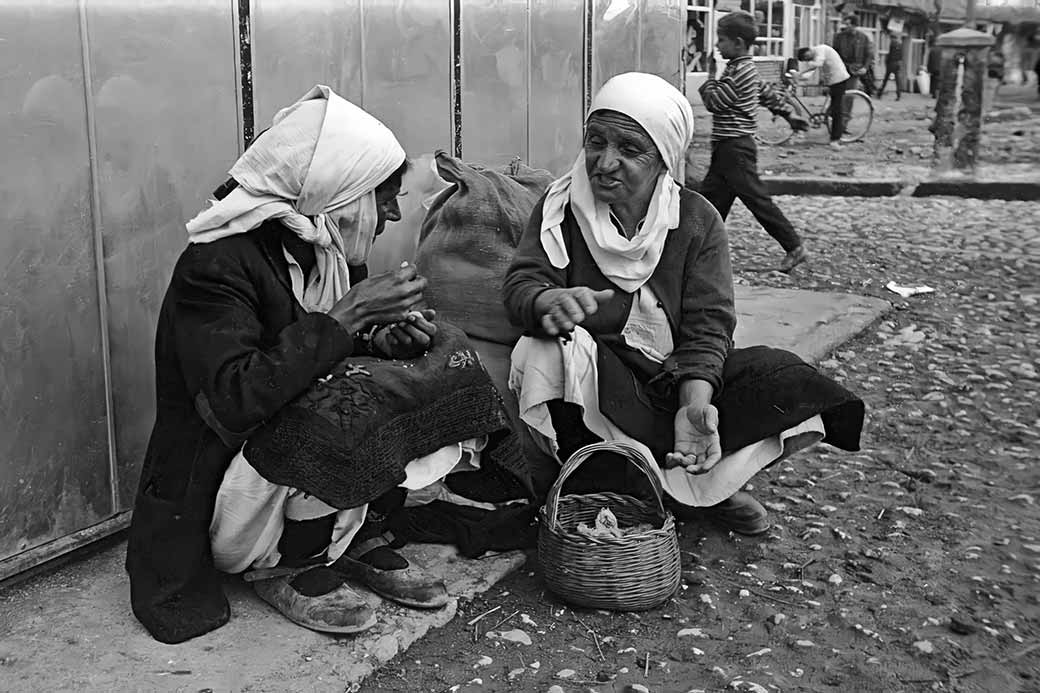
{"x":733,"y":173}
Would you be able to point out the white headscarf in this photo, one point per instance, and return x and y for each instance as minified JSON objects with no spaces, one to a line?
{"x":321,"y":154}
{"x":666,"y":115}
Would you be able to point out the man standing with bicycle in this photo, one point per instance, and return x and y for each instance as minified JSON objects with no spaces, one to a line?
{"x":857,"y":52}
{"x":835,"y":76}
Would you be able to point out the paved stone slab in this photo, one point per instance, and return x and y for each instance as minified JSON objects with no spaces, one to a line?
{"x":809,"y":323}
{"x":73,"y":631}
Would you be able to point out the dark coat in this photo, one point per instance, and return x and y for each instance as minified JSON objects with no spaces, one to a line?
{"x":693,"y":281}
{"x":232,"y":347}
{"x":759,"y":391}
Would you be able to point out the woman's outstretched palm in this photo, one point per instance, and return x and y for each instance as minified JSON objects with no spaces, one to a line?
{"x":697,"y":446}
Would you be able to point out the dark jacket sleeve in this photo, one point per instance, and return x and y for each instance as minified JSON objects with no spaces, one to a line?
{"x":708,"y":319}
{"x":238,"y":375}
{"x":530,"y":274}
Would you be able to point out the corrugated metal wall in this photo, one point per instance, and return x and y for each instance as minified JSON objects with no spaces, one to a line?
{"x":117,"y":118}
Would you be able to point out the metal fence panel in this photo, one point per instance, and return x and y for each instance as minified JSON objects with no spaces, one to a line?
{"x":615,"y":39}
{"x":407,"y":70}
{"x":54,"y":470}
{"x":555,"y":106}
{"x":663,"y":34}
{"x":296,"y":45}
{"x":495,"y":86}
{"x":166,"y":126}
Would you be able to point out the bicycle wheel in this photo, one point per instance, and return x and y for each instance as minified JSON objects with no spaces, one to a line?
{"x":771,"y":128}
{"x":861,"y":115}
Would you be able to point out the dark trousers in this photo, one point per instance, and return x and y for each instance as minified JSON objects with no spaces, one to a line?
{"x":733,"y":173}
{"x":852,"y":82}
{"x":839,"y":111}
{"x":892,"y":71}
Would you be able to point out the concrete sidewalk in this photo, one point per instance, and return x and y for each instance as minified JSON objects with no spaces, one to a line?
{"x":72,"y":630}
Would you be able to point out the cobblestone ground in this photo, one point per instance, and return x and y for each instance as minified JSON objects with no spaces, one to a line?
{"x":913,"y":565}
{"x":899,"y":144}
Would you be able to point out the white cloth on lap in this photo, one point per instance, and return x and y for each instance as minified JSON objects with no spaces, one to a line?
{"x":544,"y":370}
{"x":250,"y":511}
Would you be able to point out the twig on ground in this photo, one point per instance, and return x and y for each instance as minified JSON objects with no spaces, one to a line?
{"x":646,"y":667}
{"x":764,"y":595}
{"x":595,"y":636}
{"x":802,"y":567}
{"x":504,"y":620}
{"x":486,"y":613}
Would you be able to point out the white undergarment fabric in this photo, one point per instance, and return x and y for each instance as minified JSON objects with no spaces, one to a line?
{"x":647,"y":328}
{"x":543,"y":370}
{"x":250,"y":511}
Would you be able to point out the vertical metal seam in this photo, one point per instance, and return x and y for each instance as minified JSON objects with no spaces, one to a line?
{"x":236,"y":59}
{"x":589,"y":9}
{"x":641,"y":8}
{"x":99,"y":255}
{"x":245,"y":56}
{"x":363,"y":49}
{"x":455,"y":11}
{"x":530,"y":59}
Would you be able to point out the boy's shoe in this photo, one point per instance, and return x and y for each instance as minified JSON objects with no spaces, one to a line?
{"x":794,"y":258}
{"x":318,"y":599}
{"x":375,"y":565}
{"x":835,"y":144}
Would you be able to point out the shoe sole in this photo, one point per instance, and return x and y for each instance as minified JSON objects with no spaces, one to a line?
{"x":338,"y":630}
{"x":407,"y":602}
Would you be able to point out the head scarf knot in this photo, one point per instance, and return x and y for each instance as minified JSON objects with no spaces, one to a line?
{"x":322,"y":154}
{"x":666,"y":116}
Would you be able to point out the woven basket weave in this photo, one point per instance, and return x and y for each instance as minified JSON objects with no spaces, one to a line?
{"x":631,"y":573}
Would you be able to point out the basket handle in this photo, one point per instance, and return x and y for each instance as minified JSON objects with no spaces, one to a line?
{"x":627,"y":450}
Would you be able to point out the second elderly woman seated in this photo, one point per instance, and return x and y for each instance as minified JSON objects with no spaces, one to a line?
{"x":299,"y":398}
{"x":622,"y":282}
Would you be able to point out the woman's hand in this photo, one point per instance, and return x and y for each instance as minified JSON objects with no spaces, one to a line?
{"x":563,"y":309}
{"x":384,"y":298}
{"x":697,"y":446}
{"x":407,"y":339}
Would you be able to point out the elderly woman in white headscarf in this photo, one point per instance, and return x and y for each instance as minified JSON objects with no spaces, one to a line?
{"x":286,"y":401}
{"x":623,"y":284}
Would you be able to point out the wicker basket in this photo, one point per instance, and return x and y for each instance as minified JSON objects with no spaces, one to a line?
{"x":631,"y":573}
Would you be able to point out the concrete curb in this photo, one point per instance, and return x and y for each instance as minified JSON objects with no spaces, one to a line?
{"x":984,"y":190}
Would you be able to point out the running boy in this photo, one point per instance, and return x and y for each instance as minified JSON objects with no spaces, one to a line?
{"x":733,"y":101}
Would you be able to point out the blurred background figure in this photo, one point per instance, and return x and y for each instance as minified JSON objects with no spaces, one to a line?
{"x":893,"y":66}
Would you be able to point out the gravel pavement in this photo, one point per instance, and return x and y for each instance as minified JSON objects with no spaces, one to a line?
{"x":913,"y":565}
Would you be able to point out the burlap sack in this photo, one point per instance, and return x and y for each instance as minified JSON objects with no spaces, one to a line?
{"x":468,"y":239}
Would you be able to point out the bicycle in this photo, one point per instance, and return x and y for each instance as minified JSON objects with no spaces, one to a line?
{"x":774,"y":129}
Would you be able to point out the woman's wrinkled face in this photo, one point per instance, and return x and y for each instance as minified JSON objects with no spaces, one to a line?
{"x":621,"y":160}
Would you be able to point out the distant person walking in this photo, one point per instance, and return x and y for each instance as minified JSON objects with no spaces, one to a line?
{"x":893,"y":66}
{"x":733,"y":101}
{"x":857,"y":52}
{"x":855,"y":48}
{"x":835,"y":76}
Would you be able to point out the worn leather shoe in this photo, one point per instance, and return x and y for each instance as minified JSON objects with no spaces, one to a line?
{"x":391,"y":575}
{"x":340,"y":610}
{"x":742,"y":514}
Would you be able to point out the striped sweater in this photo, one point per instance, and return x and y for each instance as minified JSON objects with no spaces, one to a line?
{"x":733,"y":99}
